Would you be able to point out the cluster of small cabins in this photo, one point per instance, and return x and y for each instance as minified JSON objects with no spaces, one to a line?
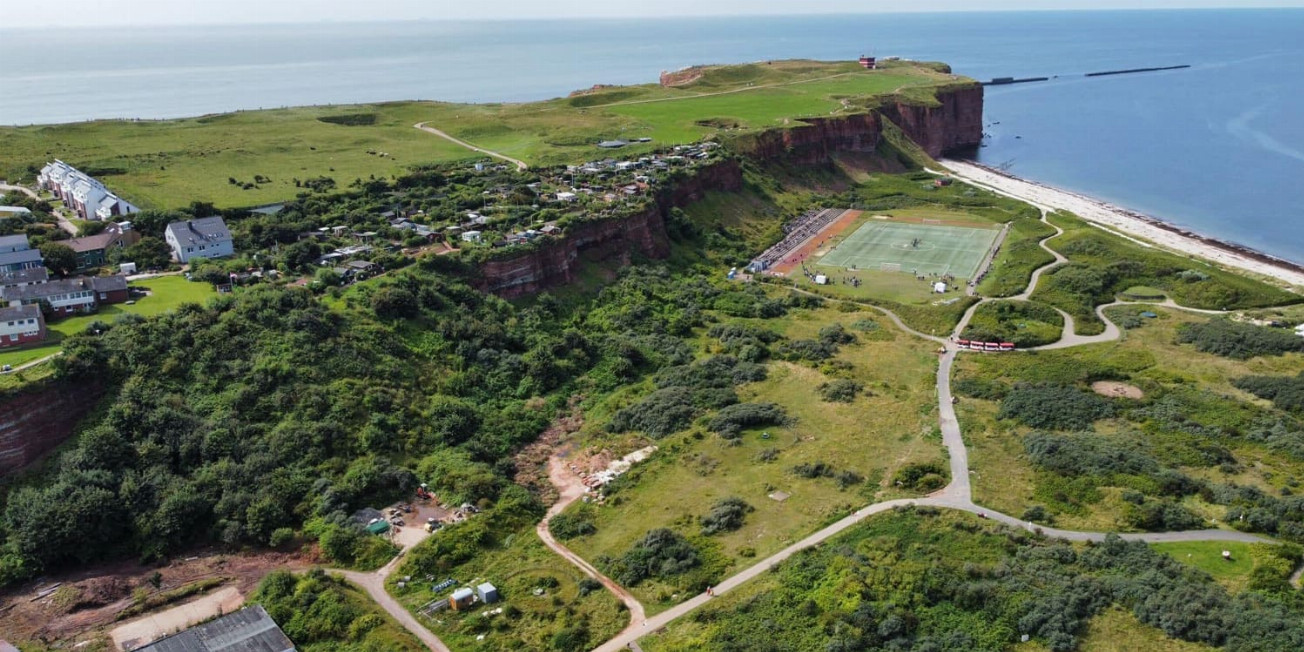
{"x":82,"y":193}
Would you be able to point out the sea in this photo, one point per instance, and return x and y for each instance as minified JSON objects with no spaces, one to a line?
{"x":1217,"y":147}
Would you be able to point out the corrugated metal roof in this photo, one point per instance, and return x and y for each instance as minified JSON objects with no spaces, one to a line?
{"x":247,"y":630}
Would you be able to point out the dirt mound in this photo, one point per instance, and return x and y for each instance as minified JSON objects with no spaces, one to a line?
{"x":1115,"y":389}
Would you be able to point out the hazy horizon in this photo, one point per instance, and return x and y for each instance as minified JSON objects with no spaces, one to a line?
{"x":162,"y":13}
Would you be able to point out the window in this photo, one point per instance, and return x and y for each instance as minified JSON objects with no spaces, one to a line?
{"x":190,"y":250}
{"x":11,"y":323}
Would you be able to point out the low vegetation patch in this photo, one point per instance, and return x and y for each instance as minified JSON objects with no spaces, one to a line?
{"x":726,"y":515}
{"x":989,"y":587}
{"x":1237,"y":340}
{"x":321,"y":612}
{"x":1058,"y":407}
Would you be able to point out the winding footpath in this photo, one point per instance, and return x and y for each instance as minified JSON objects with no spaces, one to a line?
{"x":424,"y":126}
{"x":957,"y":495}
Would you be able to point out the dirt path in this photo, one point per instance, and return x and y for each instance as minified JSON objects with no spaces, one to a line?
{"x":32,"y":363}
{"x":374,"y":585}
{"x":570,"y":489}
{"x":423,"y":126}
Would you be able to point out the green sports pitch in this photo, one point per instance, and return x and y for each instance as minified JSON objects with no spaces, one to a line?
{"x":922,"y":248}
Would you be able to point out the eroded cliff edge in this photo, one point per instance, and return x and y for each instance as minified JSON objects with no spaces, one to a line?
{"x":951,"y":123}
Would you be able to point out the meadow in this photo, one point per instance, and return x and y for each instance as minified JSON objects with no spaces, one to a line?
{"x":895,"y":375}
{"x":251,"y":158}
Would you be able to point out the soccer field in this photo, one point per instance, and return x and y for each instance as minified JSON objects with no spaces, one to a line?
{"x":954,"y":250}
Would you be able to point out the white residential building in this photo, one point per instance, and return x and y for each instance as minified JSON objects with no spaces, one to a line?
{"x":206,"y":237}
{"x":82,"y":193}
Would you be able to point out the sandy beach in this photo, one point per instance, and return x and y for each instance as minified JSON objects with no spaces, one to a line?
{"x":1129,"y":223}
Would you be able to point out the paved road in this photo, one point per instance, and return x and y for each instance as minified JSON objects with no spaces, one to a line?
{"x":374,"y":585}
{"x":956,"y":495}
{"x":423,"y":126}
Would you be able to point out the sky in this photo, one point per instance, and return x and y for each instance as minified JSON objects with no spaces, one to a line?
{"x":37,"y":13}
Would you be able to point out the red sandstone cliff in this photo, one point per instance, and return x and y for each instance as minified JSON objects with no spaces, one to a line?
{"x":554,"y":263}
{"x":953,"y":123}
{"x":34,"y":422}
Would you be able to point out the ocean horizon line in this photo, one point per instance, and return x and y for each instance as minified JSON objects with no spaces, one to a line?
{"x":343,"y":22}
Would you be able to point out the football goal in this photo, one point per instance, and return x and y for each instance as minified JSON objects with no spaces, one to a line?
{"x":890,"y":267}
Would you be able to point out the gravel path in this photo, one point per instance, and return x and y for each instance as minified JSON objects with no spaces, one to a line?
{"x":423,"y":126}
{"x":958,"y":494}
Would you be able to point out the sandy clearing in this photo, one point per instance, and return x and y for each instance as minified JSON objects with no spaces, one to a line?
{"x":154,"y":626}
{"x":1114,"y":389}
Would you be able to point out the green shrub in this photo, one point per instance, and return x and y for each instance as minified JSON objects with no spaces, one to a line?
{"x":1058,"y":407}
{"x":726,"y":515}
{"x":1237,"y":340}
{"x":661,"y":553}
{"x":841,"y":390}
{"x":730,"y":422}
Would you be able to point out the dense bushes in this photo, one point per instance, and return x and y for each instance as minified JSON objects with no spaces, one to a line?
{"x":1024,"y":323}
{"x":570,"y":525}
{"x":1238,"y":340}
{"x":1285,"y":392}
{"x":841,"y":390}
{"x":916,"y":580}
{"x":726,"y":515}
{"x":661,"y":553}
{"x":318,"y":611}
{"x":1058,"y":407}
{"x":831,"y":337}
{"x":730,"y":421}
{"x":925,"y":476}
{"x":688,"y":390}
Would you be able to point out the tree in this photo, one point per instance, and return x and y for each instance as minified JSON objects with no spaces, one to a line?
{"x":59,"y":258}
{"x":149,"y":253}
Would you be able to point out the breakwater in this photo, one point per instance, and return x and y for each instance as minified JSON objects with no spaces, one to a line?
{"x":1005,"y":81}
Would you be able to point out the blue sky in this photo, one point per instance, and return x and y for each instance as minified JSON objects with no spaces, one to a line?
{"x":35,"y":13}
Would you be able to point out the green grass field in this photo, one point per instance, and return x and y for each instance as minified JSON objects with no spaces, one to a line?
{"x":940,"y":249}
{"x":170,"y":163}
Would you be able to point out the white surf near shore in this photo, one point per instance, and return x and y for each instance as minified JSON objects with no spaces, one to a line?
{"x":1118,"y":219}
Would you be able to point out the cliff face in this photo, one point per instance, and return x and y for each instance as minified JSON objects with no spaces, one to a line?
{"x":954,"y":124}
{"x":34,"y":423}
{"x":555,"y":263}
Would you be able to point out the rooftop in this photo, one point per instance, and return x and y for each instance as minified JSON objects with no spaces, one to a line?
{"x":247,"y":630}
{"x":199,"y":231}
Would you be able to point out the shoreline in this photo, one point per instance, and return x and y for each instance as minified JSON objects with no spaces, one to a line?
{"x":1161,"y":233}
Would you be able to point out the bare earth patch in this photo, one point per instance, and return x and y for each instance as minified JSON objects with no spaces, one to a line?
{"x":1115,"y":389}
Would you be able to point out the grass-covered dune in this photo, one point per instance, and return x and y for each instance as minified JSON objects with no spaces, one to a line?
{"x":254,"y":157}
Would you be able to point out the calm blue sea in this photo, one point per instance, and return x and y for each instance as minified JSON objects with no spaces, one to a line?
{"x":1218,"y":148}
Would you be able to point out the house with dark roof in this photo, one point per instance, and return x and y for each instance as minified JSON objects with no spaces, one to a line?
{"x":206,"y":237}
{"x":92,"y":250}
{"x":247,"y":630}
{"x":21,"y":325}
{"x":16,"y":254}
{"x":25,"y":276}
{"x":68,"y":296}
